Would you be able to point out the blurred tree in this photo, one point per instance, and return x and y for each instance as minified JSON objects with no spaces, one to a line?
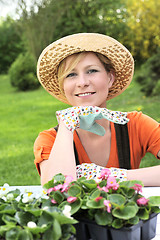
{"x":148,"y":76}
{"x":144,"y":27}
{"x":49,"y":20}
{"x":10,"y":43}
{"x":22,"y":73}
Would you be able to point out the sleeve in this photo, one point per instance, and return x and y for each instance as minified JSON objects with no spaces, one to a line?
{"x":148,"y":134}
{"x":43,"y":145}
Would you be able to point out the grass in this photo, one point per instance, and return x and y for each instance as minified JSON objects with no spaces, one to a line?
{"x":25,"y":114}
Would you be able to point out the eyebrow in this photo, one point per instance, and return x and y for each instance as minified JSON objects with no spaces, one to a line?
{"x":88,"y":66}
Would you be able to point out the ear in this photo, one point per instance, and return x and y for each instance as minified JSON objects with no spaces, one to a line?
{"x":111,"y":79}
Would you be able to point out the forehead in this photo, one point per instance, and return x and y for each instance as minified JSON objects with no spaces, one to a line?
{"x":84,"y":57}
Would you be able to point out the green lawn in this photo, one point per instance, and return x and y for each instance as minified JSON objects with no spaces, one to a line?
{"x":25,"y":114}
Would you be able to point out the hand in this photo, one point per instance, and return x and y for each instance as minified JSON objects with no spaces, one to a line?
{"x":96,"y":172}
{"x":85,"y":117}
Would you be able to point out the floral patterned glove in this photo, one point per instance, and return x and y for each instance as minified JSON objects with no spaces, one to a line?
{"x":84,"y":118}
{"x":96,"y":172}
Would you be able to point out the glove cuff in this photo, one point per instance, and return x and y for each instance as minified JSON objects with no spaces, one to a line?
{"x":119,"y":173}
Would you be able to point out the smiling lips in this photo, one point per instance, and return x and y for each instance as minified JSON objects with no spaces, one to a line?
{"x":84,"y":94}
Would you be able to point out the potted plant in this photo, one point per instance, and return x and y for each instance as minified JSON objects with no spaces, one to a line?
{"x":29,"y":216}
{"x":106,"y":209}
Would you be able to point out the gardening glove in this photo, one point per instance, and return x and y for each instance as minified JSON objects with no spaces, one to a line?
{"x":84,"y":118}
{"x":93,"y":171}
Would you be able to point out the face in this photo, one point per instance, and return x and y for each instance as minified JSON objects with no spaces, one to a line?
{"x":88,"y":83}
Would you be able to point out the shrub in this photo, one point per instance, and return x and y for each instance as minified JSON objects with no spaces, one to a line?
{"x":149,"y":76}
{"x":11,"y":44}
{"x":22,"y":73}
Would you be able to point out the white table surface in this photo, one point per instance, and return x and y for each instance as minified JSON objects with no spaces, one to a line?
{"x":147,"y":192}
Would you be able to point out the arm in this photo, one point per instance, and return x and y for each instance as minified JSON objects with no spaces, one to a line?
{"x":150,"y":176}
{"x":61,"y":159}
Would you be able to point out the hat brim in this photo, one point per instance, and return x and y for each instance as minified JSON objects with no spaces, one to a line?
{"x":57,"y":51}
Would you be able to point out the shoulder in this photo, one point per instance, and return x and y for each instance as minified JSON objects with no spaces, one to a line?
{"x":46,"y":137}
{"x":140,"y":119}
{"x":134,"y":115}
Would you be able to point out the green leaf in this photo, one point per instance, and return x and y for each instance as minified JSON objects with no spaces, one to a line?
{"x":84,"y":203}
{"x":75,"y":206}
{"x":74,"y":191}
{"x":143,"y":214}
{"x":154,"y":201}
{"x":117,"y":223}
{"x":56,"y":213}
{"x":60,"y":178}
{"x":95,"y":193}
{"x":103,"y":183}
{"x":15,"y":192}
{"x":133,"y":204}
{"x":95,"y":204}
{"x":116,"y":199}
{"x":58,"y":196}
{"x":156,"y":209}
{"x":57,"y":233}
{"x":130,"y":183}
{"x":6,"y":228}
{"x":7,"y":219}
{"x":24,"y":217}
{"x":35,"y":211}
{"x":45,"y":218}
{"x":127,"y":192}
{"x":133,"y":220}
{"x":38,"y":229}
{"x":7,"y":208}
{"x":12,"y":234}
{"x":24,"y":235}
{"x":81,"y":179}
{"x":2,"y":206}
{"x":49,"y":184}
{"x":103,"y":218}
{"x":62,"y":219}
{"x":90,"y":184}
{"x":49,"y":234}
{"x":125,"y":212}
{"x":46,"y":203}
{"x":67,"y":231}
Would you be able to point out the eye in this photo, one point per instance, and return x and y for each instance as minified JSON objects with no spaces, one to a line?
{"x":92,"y":71}
{"x":71,"y":75}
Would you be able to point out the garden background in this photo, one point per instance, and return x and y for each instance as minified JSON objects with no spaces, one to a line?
{"x":26,"y":108}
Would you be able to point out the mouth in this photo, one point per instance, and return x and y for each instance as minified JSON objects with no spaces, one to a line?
{"x":84,"y":94}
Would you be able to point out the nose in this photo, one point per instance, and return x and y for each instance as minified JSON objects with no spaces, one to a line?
{"x":82,"y":80}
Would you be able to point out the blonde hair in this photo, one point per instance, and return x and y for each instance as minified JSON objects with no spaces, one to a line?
{"x":76,"y":58}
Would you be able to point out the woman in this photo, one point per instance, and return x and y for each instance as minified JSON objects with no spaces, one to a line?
{"x":84,"y":70}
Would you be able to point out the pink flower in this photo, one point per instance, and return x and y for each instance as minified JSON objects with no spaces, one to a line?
{"x":137,"y":187}
{"x":50,"y":190}
{"x":71,"y":199}
{"x":105,"y":189}
{"x":105,"y":173}
{"x":111,"y":183}
{"x":65,"y":187}
{"x":58,"y":187}
{"x":99,"y":187}
{"x":68,"y":179}
{"x":108,"y":205}
{"x":53,"y":201}
{"x":98,"y":199}
{"x":142,"y":201}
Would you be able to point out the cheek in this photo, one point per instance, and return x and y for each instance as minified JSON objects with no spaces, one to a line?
{"x":67,"y":88}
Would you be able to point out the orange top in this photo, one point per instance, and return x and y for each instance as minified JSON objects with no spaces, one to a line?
{"x":144,"y":136}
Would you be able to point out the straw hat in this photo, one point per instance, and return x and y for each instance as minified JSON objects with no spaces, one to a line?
{"x":52,"y":55}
